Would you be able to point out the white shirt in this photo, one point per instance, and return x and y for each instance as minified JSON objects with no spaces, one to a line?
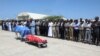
{"x":89,"y":26}
{"x":66,"y":25}
{"x":71,"y":24}
{"x":76,"y":26}
{"x":82,"y":26}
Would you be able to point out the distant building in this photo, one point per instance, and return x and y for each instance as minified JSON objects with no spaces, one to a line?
{"x":27,"y":15}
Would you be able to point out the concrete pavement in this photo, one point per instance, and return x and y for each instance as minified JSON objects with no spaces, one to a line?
{"x":9,"y":46}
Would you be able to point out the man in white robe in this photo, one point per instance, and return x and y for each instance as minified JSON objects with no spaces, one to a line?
{"x":32,"y":27}
{"x":50,"y":33}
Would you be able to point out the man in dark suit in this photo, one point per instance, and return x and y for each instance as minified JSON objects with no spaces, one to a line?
{"x":46,"y":28}
{"x":96,"y":31}
{"x":61,"y":29}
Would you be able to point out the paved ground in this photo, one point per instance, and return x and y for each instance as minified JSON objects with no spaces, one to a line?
{"x":9,"y":46}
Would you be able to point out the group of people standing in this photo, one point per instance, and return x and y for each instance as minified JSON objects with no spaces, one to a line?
{"x":8,"y":25}
{"x":86,"y":31}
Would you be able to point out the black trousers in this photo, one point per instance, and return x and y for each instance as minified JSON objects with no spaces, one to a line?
{"x":41,"y":30}
{"x":95,"y":38}
{"x":76,"y":34}
{"x":62,"y":33}
{"x":46,"y":31}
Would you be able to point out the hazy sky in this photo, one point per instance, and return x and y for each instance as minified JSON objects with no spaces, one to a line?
{"x":67,"y":8}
